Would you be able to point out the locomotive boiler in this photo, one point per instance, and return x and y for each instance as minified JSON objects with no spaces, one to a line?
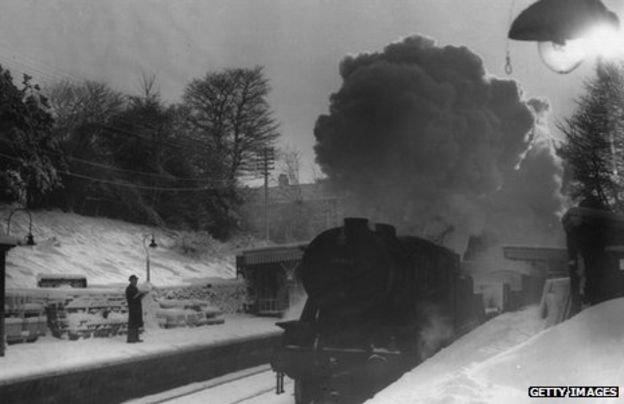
{"x":377,"y":305}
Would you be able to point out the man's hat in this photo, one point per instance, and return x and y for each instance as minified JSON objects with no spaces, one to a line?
{"x":132,"y":277}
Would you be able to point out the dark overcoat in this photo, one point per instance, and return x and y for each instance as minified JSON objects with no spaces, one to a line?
{"x":135,"y":310}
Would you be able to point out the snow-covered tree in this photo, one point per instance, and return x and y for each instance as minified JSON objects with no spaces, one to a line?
{"x":29,"y":154}
{"x":594,"y":142}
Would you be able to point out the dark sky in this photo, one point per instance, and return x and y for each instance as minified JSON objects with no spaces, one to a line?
{"x":300,"y":42}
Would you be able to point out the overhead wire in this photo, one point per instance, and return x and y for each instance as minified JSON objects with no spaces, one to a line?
{"x":135,"y":172}
{"x":61,"y":75}
{"x":29,"y":61}
{"x":126,"y":170}
{"x":179,"y":143}
{"x":124,"y":184}
{"x":66,"y":76}
{"x":146,"y":187}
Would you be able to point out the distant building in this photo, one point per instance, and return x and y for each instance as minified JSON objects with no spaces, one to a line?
{"x":296,"y":212}
{"x":269,"y":272}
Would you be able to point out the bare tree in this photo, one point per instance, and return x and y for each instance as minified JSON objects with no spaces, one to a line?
{"x":289,"y":164}
{"x":230,"y":112}
{"x":76,"y":106}
{"x":81,"y":110}
{"x":148,"y":86}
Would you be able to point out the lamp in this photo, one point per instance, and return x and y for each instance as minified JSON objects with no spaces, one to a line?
{"x":30,"y":240}
{"x":152,"y":244}
{"x":565,"y":30}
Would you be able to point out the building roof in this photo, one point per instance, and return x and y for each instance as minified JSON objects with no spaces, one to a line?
{"x":286,"y":193}
{"x":534,"y":253}
{"x":269,"y":255}
{"x":61,"y":276}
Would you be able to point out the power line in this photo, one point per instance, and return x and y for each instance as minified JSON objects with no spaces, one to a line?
{"x":30,"y":62}
{"x":60,"y":74}
{"x":170,"y":143}
{"x":108,"y":167}
{"x":189,"y":144}
{"x":74,"y":80}
{"x":130,"y":185}
{"x":172,"y":177}
{"x":146,"y":187}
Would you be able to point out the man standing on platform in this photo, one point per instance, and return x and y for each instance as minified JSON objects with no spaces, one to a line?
{"x":135,"y":310}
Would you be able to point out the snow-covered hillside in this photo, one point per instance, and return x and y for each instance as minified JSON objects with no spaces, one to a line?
{"x":108,"y":251}
{"x":498,"y":362}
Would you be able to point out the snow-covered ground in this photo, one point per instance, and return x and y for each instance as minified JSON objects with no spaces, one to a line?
{"x":54,"y":355}
{"x":107,"y":251}
{"x":497,"y":362}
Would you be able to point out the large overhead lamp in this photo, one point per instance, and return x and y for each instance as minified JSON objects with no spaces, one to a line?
{"x":567,"y":31}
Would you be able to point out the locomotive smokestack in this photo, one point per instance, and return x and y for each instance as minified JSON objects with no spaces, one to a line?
{"x":354,"y":226}
{"x":355,"y":223}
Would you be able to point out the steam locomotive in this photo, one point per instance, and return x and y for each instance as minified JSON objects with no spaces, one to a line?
{"x":377,"y":306}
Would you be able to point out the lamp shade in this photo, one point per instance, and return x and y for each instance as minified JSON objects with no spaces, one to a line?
{"x":560,"y":20}
{"x":561,"y":58}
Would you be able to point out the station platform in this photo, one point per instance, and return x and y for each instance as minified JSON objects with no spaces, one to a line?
{"x":109,"y":370}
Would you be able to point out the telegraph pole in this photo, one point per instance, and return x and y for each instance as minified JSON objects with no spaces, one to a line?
{"x":266,"y":165}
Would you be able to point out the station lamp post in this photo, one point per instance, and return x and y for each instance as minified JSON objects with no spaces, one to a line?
{"x":147,"y":247}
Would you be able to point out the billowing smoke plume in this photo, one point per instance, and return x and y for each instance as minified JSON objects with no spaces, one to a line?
{"x":527,"y":208}
{"x":424,"y":139}
{"x":529,"y":202}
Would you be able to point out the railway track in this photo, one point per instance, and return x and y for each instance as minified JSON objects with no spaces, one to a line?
{"x":253,"y":385}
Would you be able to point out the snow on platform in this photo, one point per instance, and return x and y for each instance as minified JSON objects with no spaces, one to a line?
{"x":53,"y":356}
{"x":497,"y":362}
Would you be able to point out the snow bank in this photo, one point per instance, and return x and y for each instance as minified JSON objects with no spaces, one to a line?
{"x":499,"y":361}
{"x":107,"y":252}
